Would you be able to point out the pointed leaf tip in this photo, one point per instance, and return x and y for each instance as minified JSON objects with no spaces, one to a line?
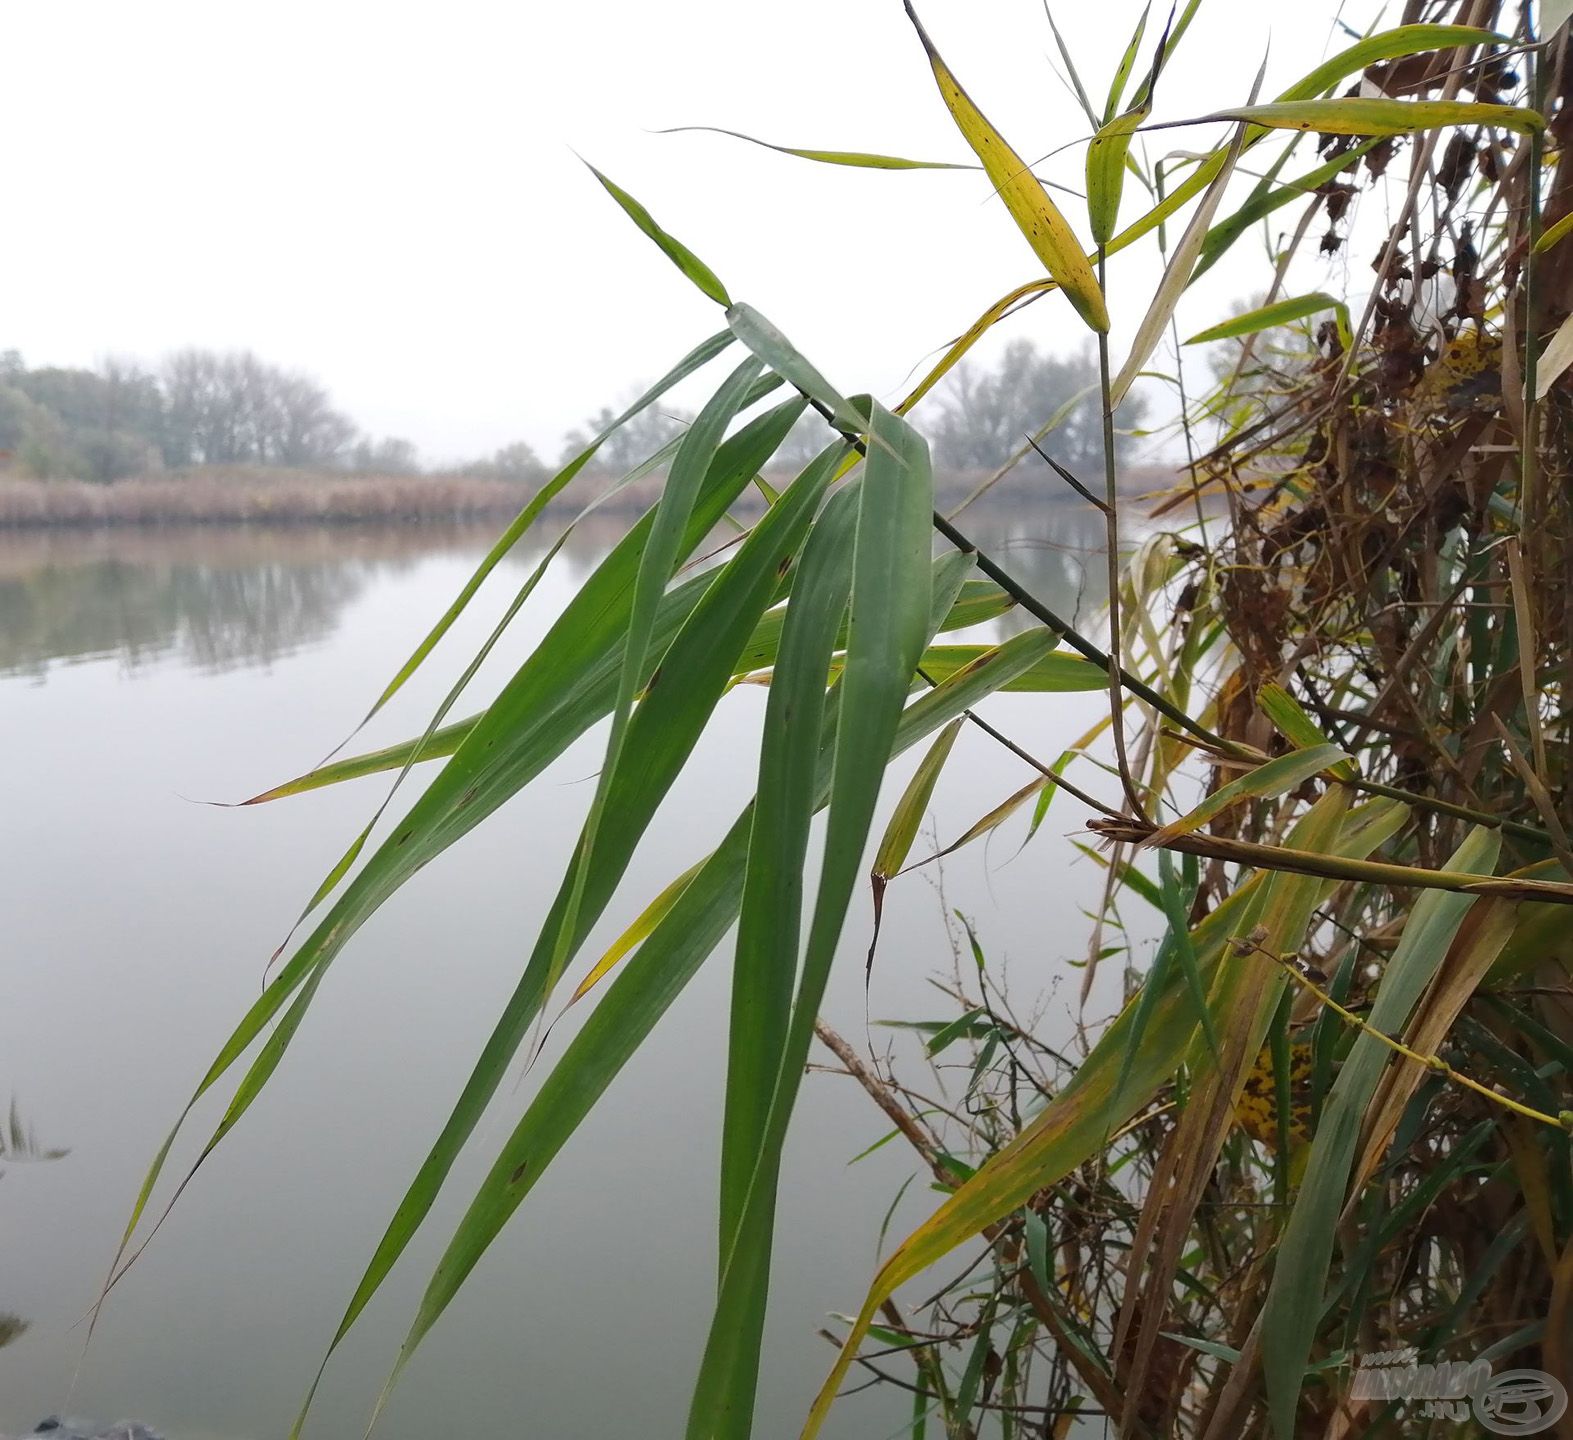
{"x":673,"y":248}
{"x":1036,"y":215}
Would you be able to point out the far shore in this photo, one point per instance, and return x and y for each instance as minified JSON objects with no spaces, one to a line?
{"x":290,"y":497}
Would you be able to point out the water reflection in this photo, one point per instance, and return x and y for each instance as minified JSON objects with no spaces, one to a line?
{"x":220,"y":598}
{"x":139,"y":923}
{"x":20,"y":1145}
{"x":1056,"y":551}
{"x":216,"y":599}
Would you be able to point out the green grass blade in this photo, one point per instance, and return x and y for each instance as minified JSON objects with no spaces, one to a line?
{"x":1176,"y":950}
{"x":1266,"y":317}
{"x":782,"y":356}
{"x":1106,"y":159}
{"x":1174,"y":32}
{"x":673,"y":248}
{"x":1358,"y":115}
{"x":890,"y":608}
{"x":417,"y":752}
{"x":1294,"y":1300}
{"x":1276,"y":777}
{"x":664,"y":547}
{"x":857,"y":159}
{"x":1176,"y":909}
{"x":1122,"y":72}
{"x":908,"y":815}
{"x":696,"y":358}
{"x":1554,"y":234}
{"x":990,"y":822}
{"x":1267,"y":197}
{"x":770,"y":926}
{"x":438,"y":746}
{"x":979,"y":601}
{"x":1291,"y":721}
{"x":562,"y":688}
{"x":902,"y":830}
{"x":648,"y":983}
{"x":635,"y":935}
{"x":1072,"y":1126}
{"x":1062,"y":672}
{"x":1390,"y":44}
{"x":662,"y":734}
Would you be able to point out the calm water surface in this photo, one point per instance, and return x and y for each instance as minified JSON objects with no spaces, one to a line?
{"x":142,"y":673}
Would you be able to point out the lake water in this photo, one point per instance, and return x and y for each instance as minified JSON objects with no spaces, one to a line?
{"x":143,"y":672}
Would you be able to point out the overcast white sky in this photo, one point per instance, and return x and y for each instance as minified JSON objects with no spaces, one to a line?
{"x":386,"y":194}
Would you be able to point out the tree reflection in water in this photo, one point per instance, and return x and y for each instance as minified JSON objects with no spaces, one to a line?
{"x":217,"y":598}
{"x":224,"y":597}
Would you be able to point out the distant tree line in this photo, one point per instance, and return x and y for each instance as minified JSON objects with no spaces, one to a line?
{"x":980,"y":416}
{"x":200,"y":407}
{"x":207,"y":408}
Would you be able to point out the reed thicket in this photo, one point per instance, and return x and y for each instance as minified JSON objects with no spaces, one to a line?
{"x":1332,"y":1118}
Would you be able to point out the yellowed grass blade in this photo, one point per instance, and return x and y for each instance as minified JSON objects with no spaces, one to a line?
{"x":1480,"y":939}
{"x":1036,"y":216}
{"x":648,"y":919}
{"x":1076,"y":1122}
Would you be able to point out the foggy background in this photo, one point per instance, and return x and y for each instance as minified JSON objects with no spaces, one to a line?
{"x":387,"y":197}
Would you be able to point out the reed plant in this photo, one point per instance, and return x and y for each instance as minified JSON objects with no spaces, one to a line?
{"x":1333,"y":1116}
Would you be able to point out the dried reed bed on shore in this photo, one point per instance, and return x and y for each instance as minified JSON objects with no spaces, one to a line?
{"x":279,"y":498}
{"x":252,"y":495}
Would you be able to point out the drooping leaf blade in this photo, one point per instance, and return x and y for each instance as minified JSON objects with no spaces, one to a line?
{"x":857,"y":159}
{"x":561,"y":689}
{"x":662,"y":733}
{"x":652,"y":978}
{"x":891,"y":598}
{"x":978,"y":601}
{"x":771,"y":920}
{"x":782,"y":356}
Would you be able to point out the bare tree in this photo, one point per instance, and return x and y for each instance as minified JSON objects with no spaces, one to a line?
{"x":236,"y":409}
{"x":985,"y":415}
{"x":388,"y":456}
{"x":305,"y":429}
{"x":639,"y":439}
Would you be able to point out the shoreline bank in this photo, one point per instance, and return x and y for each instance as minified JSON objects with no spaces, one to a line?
{"x":287,"y":498}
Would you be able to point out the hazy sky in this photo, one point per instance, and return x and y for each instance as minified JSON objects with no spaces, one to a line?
{"x":387,"y":194}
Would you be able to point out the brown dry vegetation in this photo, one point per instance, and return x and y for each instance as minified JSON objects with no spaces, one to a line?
{"x":230,"y":495}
